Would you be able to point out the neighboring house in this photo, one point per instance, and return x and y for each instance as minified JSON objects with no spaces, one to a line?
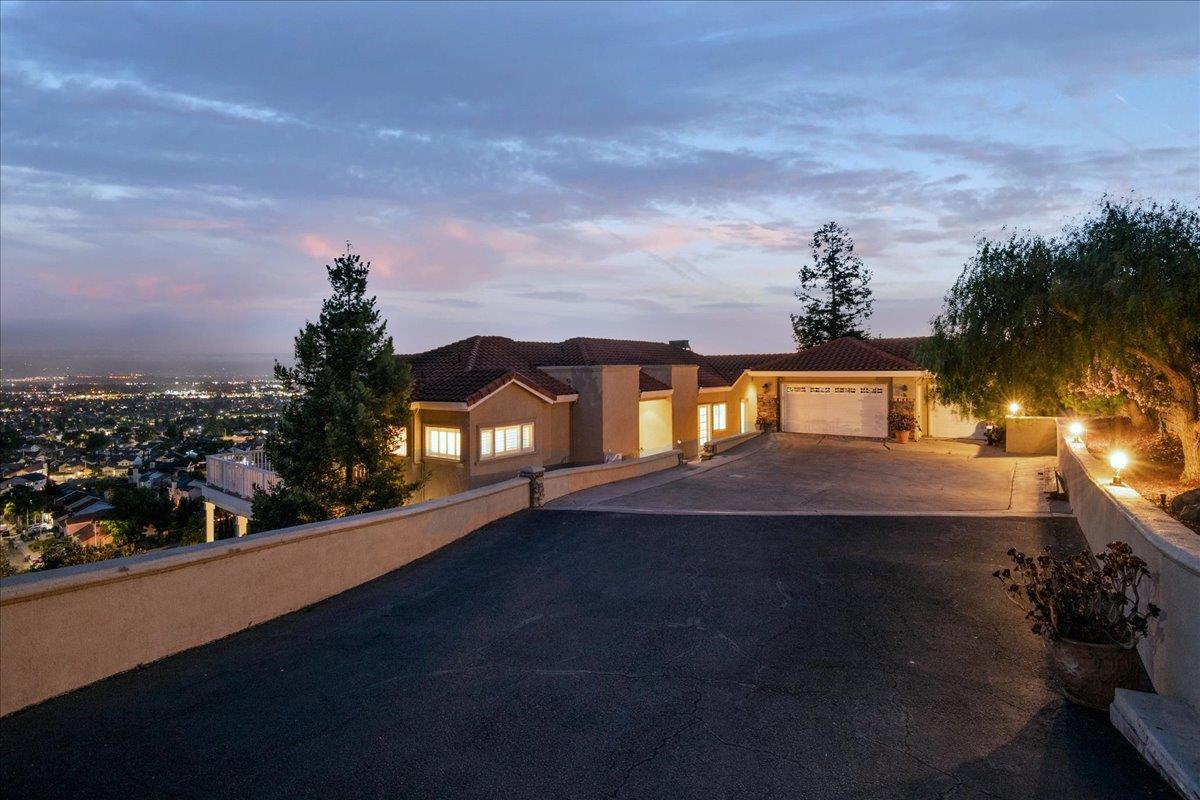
{"x":79,"y":515}
{"x":486,"y":407}
{"x":184,"y":487}
{"x":148,"y":480}
{"x":34,"y":480}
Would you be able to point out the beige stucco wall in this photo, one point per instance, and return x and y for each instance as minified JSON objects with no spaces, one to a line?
{"x":565,"y":481}
{"x":654,"y":426}
{"x":1030,"y":435}
{"x":621,"y":401}
{"x":63,"y":629}
{"x":66,"y":628}
{"x":1108,"y":513}
{"x":604,"y":420}
{"x":511,"y":405}
{"x":681,"y":378}
{"x":442,"y":476}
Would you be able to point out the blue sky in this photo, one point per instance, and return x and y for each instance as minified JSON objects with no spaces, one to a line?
{"x":175,"y":176}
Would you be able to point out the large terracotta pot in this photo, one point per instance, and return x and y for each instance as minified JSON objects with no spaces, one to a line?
{"x":902,"y":436}
{"x":1090,"y":674}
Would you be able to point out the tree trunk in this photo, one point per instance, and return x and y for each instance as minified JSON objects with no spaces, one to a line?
{"x":1179,"y":422}
{"x":1137,"y":417}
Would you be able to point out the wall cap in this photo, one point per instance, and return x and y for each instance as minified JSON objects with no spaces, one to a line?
{"x":1170,"y":537}
{"x":628,"y":462}
{"x":31,"y":585}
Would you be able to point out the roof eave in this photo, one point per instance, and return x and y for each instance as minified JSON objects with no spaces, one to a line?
{"x":838,"y":373}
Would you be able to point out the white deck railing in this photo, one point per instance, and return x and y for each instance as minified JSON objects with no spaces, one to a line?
{"x":238,"y":473}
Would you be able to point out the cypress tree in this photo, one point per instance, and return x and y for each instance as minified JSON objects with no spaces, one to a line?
{"x":835,"y":290}
{"x":333,"y":445}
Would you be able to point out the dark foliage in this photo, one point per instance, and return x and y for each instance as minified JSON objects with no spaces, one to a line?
{"x":1107,"y":312}
{"x":333,"y":447}
{"x":903,"y":416}
{"x":64,"y":551}
{"x":1094,"y":601}
{"x":835,"y":290}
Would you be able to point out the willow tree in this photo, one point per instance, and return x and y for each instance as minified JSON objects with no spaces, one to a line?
{"x":1107,"y":311}
{"x":333,"y":445}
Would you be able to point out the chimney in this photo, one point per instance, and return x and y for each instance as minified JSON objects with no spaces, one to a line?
{"x":682,"y":344}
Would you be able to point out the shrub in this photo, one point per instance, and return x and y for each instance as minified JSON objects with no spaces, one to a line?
{"x":1094,"y":601}
{"x":902,"y":416}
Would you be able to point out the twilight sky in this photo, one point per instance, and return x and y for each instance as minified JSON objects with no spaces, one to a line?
{"x":175,"y":176}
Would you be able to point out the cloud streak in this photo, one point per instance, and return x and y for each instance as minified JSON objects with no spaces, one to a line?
{"x":550,"y":170}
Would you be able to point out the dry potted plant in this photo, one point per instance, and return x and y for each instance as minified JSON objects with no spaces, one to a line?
{"x":902,"y":420}
{"x":1088,"y":611}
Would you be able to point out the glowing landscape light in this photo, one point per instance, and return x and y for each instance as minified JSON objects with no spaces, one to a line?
{"x":1076,"y":431}
{"x":1014,"y":408}
{"x":1118,"y":461}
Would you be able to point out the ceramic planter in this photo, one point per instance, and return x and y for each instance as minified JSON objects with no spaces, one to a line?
{"x":902,"y":436}
{"x":1090,"y":674}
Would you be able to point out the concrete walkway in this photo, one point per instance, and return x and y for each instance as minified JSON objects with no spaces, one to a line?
{"x":796,"y":474}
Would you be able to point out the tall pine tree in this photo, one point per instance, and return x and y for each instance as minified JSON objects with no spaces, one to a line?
{"x":835,"y":290}
{"x":333,"y":446}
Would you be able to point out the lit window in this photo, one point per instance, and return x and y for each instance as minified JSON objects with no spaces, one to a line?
{"x":505,"y":440}
{"x":718,"y":416}
{"x":443,"y":442}
{"x":400,"y":443}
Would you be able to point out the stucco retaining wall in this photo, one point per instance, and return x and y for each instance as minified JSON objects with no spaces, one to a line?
{"x":66,"y":628}
{"x":730,"y":442}
{"x":1107,"y":513}
{"x":1031,"y":435}
{"x":560,"y":482}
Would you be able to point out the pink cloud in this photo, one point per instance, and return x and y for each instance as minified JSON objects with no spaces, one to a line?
{"x":316,"y":246}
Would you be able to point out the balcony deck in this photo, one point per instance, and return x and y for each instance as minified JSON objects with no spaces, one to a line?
{"x":239,"y":473}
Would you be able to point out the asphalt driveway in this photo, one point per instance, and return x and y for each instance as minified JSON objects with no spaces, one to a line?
{"x":575,"y":654}
{"x":799,"y":473}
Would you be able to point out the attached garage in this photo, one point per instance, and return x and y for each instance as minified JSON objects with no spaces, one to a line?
{"x":839,"y":409}
{"x":948,"y":422}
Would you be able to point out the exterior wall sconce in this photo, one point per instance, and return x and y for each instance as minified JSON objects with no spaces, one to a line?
{"x":1118,"y":461}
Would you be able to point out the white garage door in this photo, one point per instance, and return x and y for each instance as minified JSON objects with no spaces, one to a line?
{"x":842,"y":409}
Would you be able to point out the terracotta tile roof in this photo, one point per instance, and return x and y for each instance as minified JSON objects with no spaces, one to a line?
{"x":649,"y":383}
{"x":470,"y":387}
{"x":584,"y":350}
{"x":470,"y":369}
{"x":904,"y":346}
{"x":731,"y":367}
{"x":840,"y":355}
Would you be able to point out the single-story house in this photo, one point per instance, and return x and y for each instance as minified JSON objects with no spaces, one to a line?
{"x":486,"y":407}
{"x":33,"y":480}
{"x":81,"y":519}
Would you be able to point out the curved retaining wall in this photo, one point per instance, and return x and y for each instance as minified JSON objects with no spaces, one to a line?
{"x":1106,"y":513}
{"x":66,"y":628}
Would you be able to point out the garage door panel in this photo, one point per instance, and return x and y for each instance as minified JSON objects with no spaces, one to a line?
{"x":837,"y":409}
